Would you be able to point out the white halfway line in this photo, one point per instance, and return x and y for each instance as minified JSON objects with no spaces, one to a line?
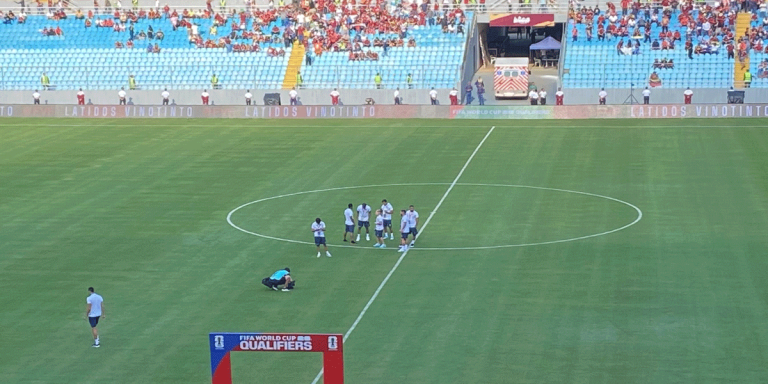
{"x":400,"y":260}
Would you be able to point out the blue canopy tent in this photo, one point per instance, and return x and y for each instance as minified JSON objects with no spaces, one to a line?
{"x":548,"y":44}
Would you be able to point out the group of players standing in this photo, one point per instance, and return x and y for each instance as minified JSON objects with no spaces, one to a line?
{"x":409,"y":222}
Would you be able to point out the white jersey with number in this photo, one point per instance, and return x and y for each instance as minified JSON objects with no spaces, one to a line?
{"x":319,"y":229}
{"x":95,"y":301}
{"x":386,"y":211}
{"x":379,"y":223}
{"x":363,"y":213}
{"x":411,"y":216}
{"x":404,"y":227}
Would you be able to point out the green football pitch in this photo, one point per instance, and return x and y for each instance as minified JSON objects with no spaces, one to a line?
{"x":527,"y":269}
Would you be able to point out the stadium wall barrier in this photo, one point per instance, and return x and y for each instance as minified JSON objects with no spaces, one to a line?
{"x":582,"y":96}
{"x":227,"y":96}
{"x":389,"y":111}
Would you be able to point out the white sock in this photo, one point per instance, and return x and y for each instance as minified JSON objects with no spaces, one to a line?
{"x":412,"y":242}
{"x":96,"y":341}
{"x":318,"y":254}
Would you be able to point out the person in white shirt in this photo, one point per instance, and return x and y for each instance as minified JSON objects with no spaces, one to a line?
{"x":386,"y":210}
{"x":205,"y":96}
{"x":349,"y":222}
{"x":405,"y":230}
{"x":248,"y":97}
{"x":335,"y":97}
{"x":318,"y":228}
{"x":687,"y":96}
{"x":165,"y":96}
{"x":646,"y":96}
{"x":378,"y":230}
{"x":397,"y":96}
{"x":36,"y":97}
{"x":433,"y":96}
{"x":533,"y":96}
{"x":294,"y":96}
{"x":559,"y":96}
{"x":413,"y":222}
{"x":121,"y":96}
{"x":602,"y":95}
{"x":543,"y":97}
{"x":94,"y":309}
{"x":363,"y":217}
{"x":80,"y":97}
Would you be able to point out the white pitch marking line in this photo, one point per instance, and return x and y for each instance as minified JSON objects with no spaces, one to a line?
{"x":400,"y":260}
{"x":637,"y":219}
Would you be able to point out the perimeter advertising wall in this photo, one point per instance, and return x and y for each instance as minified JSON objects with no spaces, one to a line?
{"x":389,"y":111}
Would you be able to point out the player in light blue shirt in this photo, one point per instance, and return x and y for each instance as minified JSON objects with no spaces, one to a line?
{"x":280,"y":277}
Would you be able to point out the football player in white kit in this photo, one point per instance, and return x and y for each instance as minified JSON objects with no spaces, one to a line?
{"x":349,"y":222}
{"x":363,"y":217}
{"x":386,"y":212}
{"x":378,"y":230}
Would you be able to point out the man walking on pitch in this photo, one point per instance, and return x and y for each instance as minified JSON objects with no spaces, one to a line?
{"x":349,"y":222}
{"x":404,"y":231}
{"x":363,"y":217}
{"x":94,"y":310}
{"x":413,"y":222}
{"x":318,"y":228}
{"x":386,"y":211}
{"x":379,"y":230}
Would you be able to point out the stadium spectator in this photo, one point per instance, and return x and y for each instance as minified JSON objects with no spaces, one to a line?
{"x":453,"y":96}
{"x":559,"y":96}
{"x":294,"y":96}
{"x":480,"y":91}
{"x":36,"y":97}
{"x":121,"y":96}
{"x":468,"y":94}
{"x":533,"y":96}
{"x":335,"y":97}
{"x":542,"y":97}
{"x":248,"y":97}
{"x":433,"y":96}
{"x":397,"y":96}
{"x":687,"y":95}
{"x":80,"y":97}
{"x":602,"y":95}
{"x":45,"y":81}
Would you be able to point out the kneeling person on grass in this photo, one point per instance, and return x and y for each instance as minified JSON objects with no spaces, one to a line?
{"x":280,"y":277}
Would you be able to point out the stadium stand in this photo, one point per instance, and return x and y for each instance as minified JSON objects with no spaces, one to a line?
{"x":263,"y":49}
{"x":694,"y":41}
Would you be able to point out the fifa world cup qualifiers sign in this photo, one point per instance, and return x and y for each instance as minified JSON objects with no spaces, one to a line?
{"x":223,"y":343}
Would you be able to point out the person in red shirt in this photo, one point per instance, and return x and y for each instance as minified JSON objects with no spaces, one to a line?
{"x":335,"y":97}
{"x":80,"y":97}
{"x":688,"y":95}
{"x":205,"y":96}
{"x":559,"y":96}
